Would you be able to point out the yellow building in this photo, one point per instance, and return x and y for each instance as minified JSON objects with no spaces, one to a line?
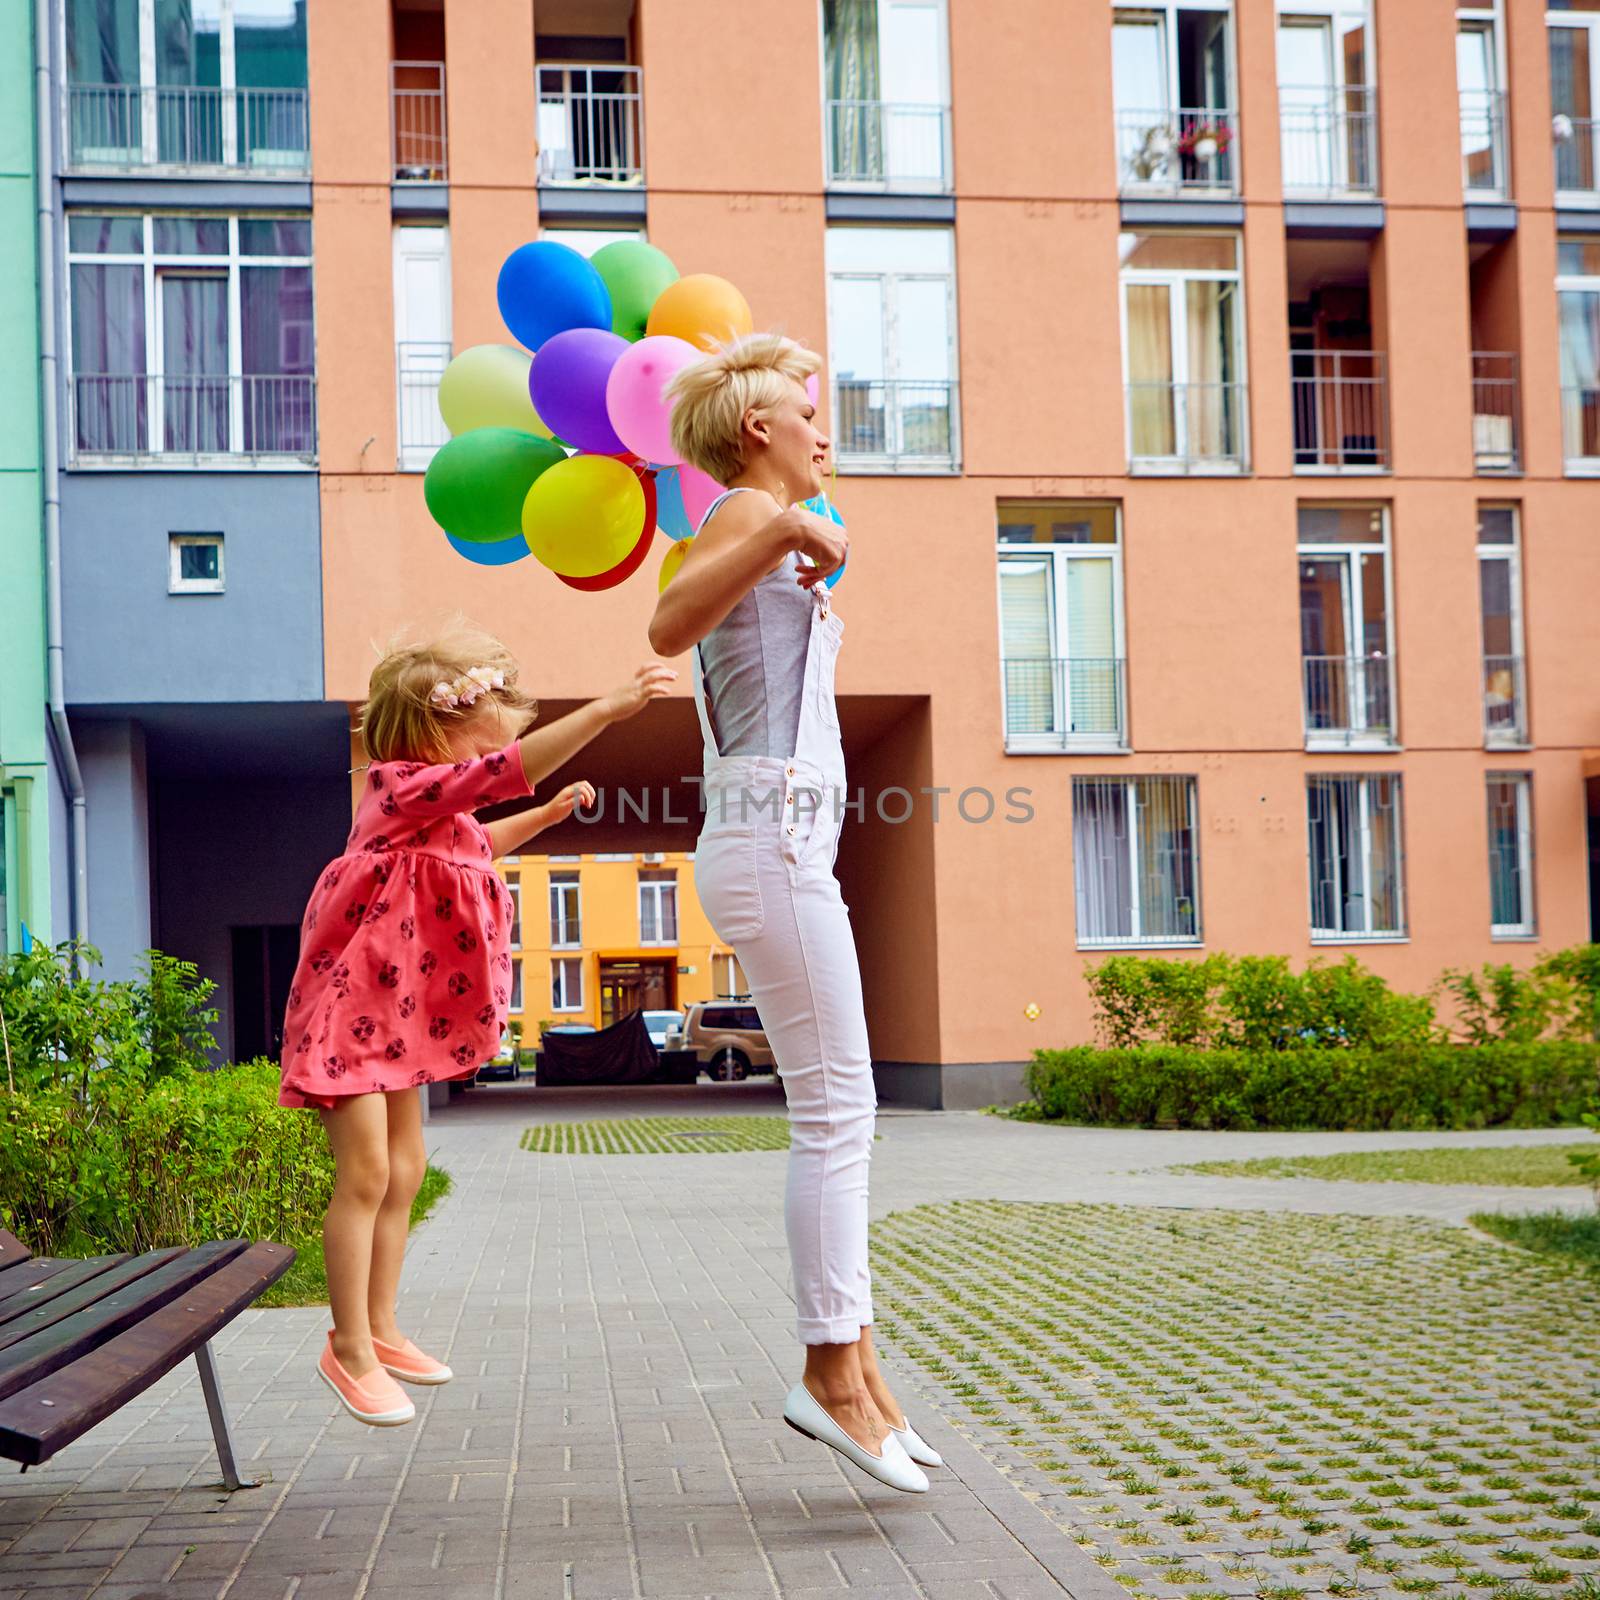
{"x":600,"y":936}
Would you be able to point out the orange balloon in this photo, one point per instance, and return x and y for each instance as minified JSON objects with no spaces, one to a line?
{"x":702,"y":308}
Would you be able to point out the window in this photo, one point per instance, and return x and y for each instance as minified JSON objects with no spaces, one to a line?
{"x":1182,"y":355}
{"x":1356,"y":890}
{"x":587,"y":240}
{"x":516,"y":986}
{"x":1574,"y":88}
{"x":194,"y":563}
{"x":1325,"y":98}
{"x":422,"y":339}
{"x":191,"y":336}
{"x":658,"y":906}
{"x":1135,"y":861}
{"x":1505,"y":698}
{"x":1061,"y":651}
{"x":886,"y":89}
{"x":892,"y":346}
{"x":1172,"y":73}
{"x":1479,"y":74}
{"x":590,"y":126}
{"x":566,"y":983}
{"x":1346,"y":641}
{"x":1510,"y":796}
{"x":1578,"y":301}
{"x":565,"y":923}
{"x":514,"y":889}
{"x":727,"y":976}
{"x":188,"y":83}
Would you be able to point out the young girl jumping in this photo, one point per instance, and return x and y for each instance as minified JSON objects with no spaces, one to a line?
{"x":404,"y":975}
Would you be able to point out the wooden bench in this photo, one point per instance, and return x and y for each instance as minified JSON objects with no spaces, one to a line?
{"x":79,"y":1339}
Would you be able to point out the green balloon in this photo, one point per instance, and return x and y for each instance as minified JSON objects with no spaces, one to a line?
{"x":476,"y":483}
{"x":635,"y":273}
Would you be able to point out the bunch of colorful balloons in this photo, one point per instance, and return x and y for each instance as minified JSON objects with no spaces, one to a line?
{"x":566,"y":454}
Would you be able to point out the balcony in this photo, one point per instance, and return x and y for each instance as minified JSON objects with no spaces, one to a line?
{"x":134,"y":127}
{"x":888,"y":145}
{"x":591,"y":124}
{"x":1577,"y":169}
{"x":1340,"y":401}
{"x":419,"y":364}
{"x":896,"y":425}
{"x":1505,"y":702}
{"x":192,"y":419}
{"x":416,"y":122}
{"x":1186,"y":427}
{"x":1496,"y":412}
{"x":1349,"y":702}
{"x":1580,"y":427}
{"x":1190,"y":151}
{"x":1065,"y":703}
{"x":1485,"y":172}
{"x":1330,"y":149}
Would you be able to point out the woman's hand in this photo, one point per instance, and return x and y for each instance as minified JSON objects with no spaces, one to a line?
{"x":649,"y":683}
{"x":825,"y":542}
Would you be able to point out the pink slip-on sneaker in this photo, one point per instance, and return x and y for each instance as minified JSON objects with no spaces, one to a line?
{"x":375,"y":1398}
{"x":407,"y":1362}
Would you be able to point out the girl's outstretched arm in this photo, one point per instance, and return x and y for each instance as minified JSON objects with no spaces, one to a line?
{"x":545,"y":749}
{"x":508,"y":834}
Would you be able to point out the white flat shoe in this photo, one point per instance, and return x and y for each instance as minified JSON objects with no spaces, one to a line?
{"x":916,"y":1447}
{"x":804,"y":1413}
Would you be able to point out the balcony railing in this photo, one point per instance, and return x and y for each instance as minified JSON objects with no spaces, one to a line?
{"x":1485,"y":172}
{"x":1065,"y":702}
{"x":1349,"y":700}
{"x":150,"y":417}
{"x":1186,"y":426}
{"x":419,"y":364}
{"x":1341,"y":410}
{"x":886,"y":144}
{"x":591,"y":126}
{"x":1580,"y":425}
{"x":127,"y":127}
{"x":1505,"y":701}
{"x":1329,"y":141}
{"x":891,"y":425}
{"x":1577,"y":145}
{"x":1496,"y":411}
{"x":1191,"y":150}
{"x":416,"y":122}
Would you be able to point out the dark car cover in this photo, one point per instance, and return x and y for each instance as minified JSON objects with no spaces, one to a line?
{"x":622,"y":1053}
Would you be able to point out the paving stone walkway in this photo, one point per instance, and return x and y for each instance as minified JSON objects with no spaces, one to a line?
{"x":622,"y":1332}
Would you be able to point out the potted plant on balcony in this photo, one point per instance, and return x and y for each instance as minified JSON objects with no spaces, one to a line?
{"x":1205,"y":141}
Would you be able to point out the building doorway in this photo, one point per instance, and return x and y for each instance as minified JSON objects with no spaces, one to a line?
{"x":642,"y":984}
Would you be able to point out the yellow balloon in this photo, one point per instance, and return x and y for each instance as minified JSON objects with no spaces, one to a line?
{"x":584,"y":515}
{"x":486,"y":386}
{"x":671,"y":561}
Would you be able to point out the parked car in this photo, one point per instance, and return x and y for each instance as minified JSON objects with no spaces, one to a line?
{"x":727,"y":1038}
{"x":502,"y":1064}
{"x":569,"y":1027}
{"x":658,"y":1024}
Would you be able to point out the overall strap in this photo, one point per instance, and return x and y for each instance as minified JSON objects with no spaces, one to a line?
{"x":727,"y":494}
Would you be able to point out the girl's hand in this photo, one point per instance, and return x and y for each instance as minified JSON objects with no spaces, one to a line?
{"x":574,"y":795}
{"x":649,"y":683}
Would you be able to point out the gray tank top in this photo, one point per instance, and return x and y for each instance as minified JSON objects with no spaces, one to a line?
{"x":755,"y":662}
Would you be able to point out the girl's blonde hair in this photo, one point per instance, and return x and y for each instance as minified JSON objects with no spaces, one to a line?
{"x":710,"y":398}
{"x":401,"y":721}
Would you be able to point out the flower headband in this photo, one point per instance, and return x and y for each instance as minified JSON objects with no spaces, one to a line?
{"x":466,"y":689}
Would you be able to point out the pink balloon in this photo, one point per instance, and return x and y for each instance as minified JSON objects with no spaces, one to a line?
{"x":640,"y":415}
{"x":698,"y":493}
{"x":814,"y":389}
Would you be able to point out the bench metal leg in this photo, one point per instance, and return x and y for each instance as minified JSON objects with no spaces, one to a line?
{"x":219,"y":1421}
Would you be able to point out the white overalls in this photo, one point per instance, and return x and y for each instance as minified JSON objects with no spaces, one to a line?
{"x":763,"y":869}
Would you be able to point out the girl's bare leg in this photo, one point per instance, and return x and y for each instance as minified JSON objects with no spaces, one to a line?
{"x":358,"y":1130}
{"x":408,"y":1159}
{"x":834,"y":1376}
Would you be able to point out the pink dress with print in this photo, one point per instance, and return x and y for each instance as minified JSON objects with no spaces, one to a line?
{"x":405,"y":965}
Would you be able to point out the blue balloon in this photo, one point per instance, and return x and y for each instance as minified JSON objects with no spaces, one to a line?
{"x":822,"y":506}
{"x":497,"y":553}
{"x":545,"y":288}
{"x":671,"y":517}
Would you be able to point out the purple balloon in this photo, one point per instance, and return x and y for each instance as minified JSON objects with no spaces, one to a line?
{"x":568,"y":386}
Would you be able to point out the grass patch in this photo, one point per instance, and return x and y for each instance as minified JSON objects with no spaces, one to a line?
{"x":654,"y":1136}
{"x":306,"y":1282}
{"x":1548,"y":1233}
{"x":1515,"y":1166}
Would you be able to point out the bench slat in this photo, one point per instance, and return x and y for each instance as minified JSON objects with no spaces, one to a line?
{"x":49,"y":1414}
{"x":69,"y":1275}
{"x":83,"y":1330}
{"x":23,"y":1277}
{"x":12,"y":1250}
{"x":63,"y":1302}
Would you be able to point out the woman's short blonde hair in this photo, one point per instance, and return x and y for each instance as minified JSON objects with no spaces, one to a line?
{"x":711,"y":397}
{"x":402,"y":722}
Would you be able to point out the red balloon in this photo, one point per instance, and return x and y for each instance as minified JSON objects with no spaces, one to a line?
{"x":630,"y":563}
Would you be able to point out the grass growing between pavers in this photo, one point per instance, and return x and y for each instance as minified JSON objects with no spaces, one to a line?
{"x":653,"y":1136}
{"x":1267,"y":1404}
{"x":1552,"y":1233}
{"x":306,"y":1282}
{"x":1520,"y":1166}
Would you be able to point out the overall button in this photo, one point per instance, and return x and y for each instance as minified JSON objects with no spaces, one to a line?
{"x":791,"y":827}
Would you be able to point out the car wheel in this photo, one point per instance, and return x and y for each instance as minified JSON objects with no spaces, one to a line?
{"x":728,"y":1065}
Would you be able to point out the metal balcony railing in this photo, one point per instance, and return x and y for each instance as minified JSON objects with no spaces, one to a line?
{"x":1341,"y":409}
{"x":1485,"y":172}
{"x":889,"y":144}
{"x":1329,"y":141}
{"x":1496,"y":411}
{"x":896,"y":424}
{"x":1349,"y":700}
{"x":1059,"y":702}
{"x":1505,"y":701}
{"x":151,"y":417}
{"x":1190,"y":150}
{"x":128,"y":127}
{"x":591,"y":124}
{"x":1580,"y":424}
{"x":419,"y":364}
{"x":1181,"y":426}
{"x":1577,"y":146}
{"x":417,"y":123}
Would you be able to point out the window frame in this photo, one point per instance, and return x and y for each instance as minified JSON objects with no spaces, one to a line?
{"x":177,"y":543}
{"x":1521,"y":784}
{"x":1328,"y":936}
{"x":1488,"y":19}
{"x":556,"y":888}
{"x":1305,"y":13}
{"x":662,"y":890}
{"x":1511,"y":554}
{"x":1580,"y":22}
{"x":1580,"y":283}
{"x":559,"y":967}
{"x":1137,"y":940}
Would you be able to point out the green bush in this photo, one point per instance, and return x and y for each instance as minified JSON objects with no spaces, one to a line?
{"x":1431,"y":1085}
